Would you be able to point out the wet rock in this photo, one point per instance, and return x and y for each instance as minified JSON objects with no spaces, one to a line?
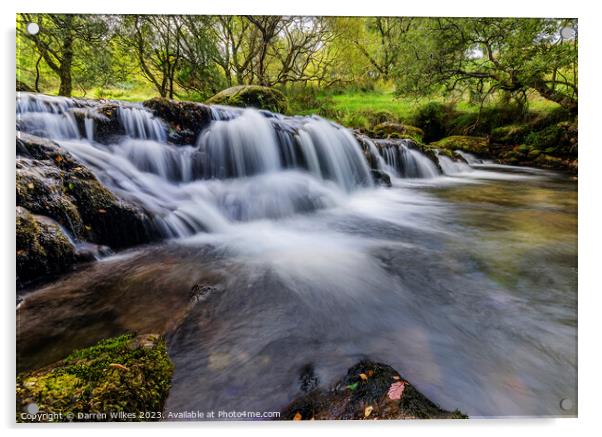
{"x":255,"y":96}
{"x":42,"y":247}
{"x":185,"y":119}
{"x":381,"y":178}
{"x":105,"y":119}
{"x":369,"y":391}
{"x":50,"y":182}
{"x":105,"y":382}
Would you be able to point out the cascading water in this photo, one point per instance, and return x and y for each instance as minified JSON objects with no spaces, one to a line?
{"x":407,"y":162}
{"x":460,"y":287}
{"x":245,"y":165}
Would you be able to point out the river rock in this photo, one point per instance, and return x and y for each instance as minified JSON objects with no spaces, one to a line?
{"x":255,"y":96}
{"x":51,"y":182}
{"x":369,"y":391}
{"x":185,"y":119}
{"x":43,"y":249}
{"x":106,"y":382}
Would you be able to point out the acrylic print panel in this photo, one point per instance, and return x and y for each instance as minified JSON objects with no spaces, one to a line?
{"x":295,"y":218}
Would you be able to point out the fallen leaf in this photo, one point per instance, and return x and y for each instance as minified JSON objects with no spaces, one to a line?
{"x":368,"y":410}
{"x":118,"y":366}
{"x":363,"y":376}
{"x":396,"y":378}
{"x":297,"y":416}
{"x":30,"y":186}
{"x":396,"y":390}
{"x":352,"y":386}
{"x":102,"y":211}
{"x":370,"y":372}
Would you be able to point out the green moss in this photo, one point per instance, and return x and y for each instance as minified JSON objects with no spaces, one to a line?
{"x":510,"y":134}
{"x":252,"y":96}
{"x":397,"y":130}
{"x":125,"y":374}
{"x":478,"y":145}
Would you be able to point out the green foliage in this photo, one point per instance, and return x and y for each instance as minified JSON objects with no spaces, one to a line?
{"x":489,"y":55}
{"x":122,"y":374}
{"x":432,"y":119}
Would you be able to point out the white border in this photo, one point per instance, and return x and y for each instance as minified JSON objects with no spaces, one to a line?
{"x":590,"y":133}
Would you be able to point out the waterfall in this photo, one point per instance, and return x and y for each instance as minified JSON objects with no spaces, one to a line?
{"x":451,"y":167}
{"x":245,"y":165}
{"x":406,"y":162}
{"x":140,"y":123}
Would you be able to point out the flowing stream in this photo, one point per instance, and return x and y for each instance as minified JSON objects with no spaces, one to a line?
{"x":462,"y":275}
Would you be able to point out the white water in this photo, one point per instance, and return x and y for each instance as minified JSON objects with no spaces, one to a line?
{"x":247,"y":165}
{"x":465,"y":299}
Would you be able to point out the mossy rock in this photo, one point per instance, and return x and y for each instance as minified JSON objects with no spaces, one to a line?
{"x":42,"y":247}
{"x":255,"y":96}
{"x":397,"y":130}
{"x":510,"y":134}
{"x":476,"y":145}
{"x":363,"y":394}
{"x":185,"y":119}
{"x":105,"y":382}
{"x":52,"y":184}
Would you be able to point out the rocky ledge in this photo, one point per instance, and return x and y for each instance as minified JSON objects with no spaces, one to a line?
{"x":64,"y":214}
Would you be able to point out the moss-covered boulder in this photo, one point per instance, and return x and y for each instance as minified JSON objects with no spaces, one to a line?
{"x":115,"y":380}
{"x":42,"y":247}
{"x":397,"y":130}
{"x":476,"y":145}
{"x":255,"y":96}
{"x":184,"y":119}
{"x":369,"y":391}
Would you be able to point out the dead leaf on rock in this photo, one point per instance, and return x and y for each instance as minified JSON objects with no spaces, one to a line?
{"x":363,"y":376}
{"x":396,"y":390}
{"x":297,"y":416}
{"x":368,"y":410}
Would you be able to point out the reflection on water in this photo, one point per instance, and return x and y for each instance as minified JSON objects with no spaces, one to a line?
{"x":466,"y":285}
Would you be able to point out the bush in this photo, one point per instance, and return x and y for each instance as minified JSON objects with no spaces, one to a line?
{"x":432,"y":119}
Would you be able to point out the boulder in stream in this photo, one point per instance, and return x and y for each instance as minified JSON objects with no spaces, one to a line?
{"x":369,"y":391}
{"x":255,"y":96}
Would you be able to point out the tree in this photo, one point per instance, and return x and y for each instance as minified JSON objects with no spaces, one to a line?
{"x":60,"y":41}
{"x":488,"y":55}
{"x":383,"y":42}
{"x":156,"y":41}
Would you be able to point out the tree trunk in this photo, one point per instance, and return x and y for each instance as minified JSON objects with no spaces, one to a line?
{"x":568,"y":103}
{"x":67,"y":60}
